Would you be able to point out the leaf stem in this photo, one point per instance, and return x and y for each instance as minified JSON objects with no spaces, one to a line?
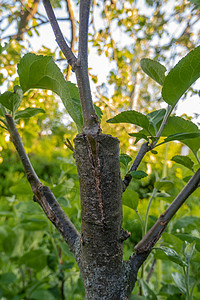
{"x":164,"y":123}
{"x":143,"y":150}
{"x":43,"y":194}
{"x":148,"y":209}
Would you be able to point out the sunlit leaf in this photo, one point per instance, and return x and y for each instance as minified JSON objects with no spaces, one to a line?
{"x":130,"y":199}
{"x":28,"y":113}
{"x":181,"y":77}
{"x":153,"y":69}
{"x":179,"y":125}
{"x":37,"y":71}
{"x":163,"y":185}
{"x":12,"y":100}
{"x":131,"y":117}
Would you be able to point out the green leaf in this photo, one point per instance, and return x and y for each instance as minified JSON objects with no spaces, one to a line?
{"x":125,"y":159}
{"x":155,"y":117}
{"x":138,"y":174}
{"x":21,"y":189}
{"x":182,"y":136}
{"x":139,"y":136}
{"x":153,"y":69}
{"x":181,"y":77}
{"x":131,"y":117}
{"x":12,"y":100}
{"x":163,"y":185}
{"x":162,"y":195}
{"x":189,"y":251}
{"x":98,"y":112}
{"x":188,"y":223}
{"x":7,"y":278}
{"x":172,"y":240}
{"x":37,"y":71}
{"x":131,"y":199}
{"x":179,"y":125}
{"x":41,"y":294}
{"x":184,"y":161}
{"x":180,"y":282}
{"x":169,"y":289}
{"x":34,"y":259}
{"x":28,"y":113}
{"x":172,"y":255}
{"x":148,"y":293}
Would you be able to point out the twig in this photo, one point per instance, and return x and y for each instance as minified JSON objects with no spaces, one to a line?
{"x":157,"y":229}
{"x":14,"y":36}
{"x":73,"y":32}
{"x":58,"y":34}
{"x":151,"y":270}
{"x":43,"y":194}
{"x":25,"y":16}
{"x":143,"y":150}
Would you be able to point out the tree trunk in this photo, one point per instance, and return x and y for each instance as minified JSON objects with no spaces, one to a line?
{"x":101,"y":261}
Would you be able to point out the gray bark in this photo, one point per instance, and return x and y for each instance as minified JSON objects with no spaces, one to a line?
{"x":102,"y":268}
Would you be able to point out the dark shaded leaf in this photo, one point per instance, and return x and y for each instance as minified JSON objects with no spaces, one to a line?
{"x":125,"y":159}
{"x":183,"y":160}
{"x":138,"y":174}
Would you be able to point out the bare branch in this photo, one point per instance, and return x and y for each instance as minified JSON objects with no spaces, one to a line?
{"x":43,"y":194}
{"x":14,"y":36}
{"x":25,"y":17}
{"x":90,"y":118}
{"x":58,"y":34}
{"x":73,"y":32}
{"x":153,"y":235}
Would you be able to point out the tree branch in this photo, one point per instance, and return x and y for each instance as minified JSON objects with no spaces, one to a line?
{"x":90,"y":118}
{"x":143,"y":150}
{"x":71,"y":58}
{"x":43,"y":194}
{"x":25,"y":17}
{"x":153,"y":235}
{"x":73,"y":32}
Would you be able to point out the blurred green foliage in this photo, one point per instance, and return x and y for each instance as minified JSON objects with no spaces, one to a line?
{"x":35,"y":263}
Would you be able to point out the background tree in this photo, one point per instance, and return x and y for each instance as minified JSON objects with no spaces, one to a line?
{"x":68,"y":181}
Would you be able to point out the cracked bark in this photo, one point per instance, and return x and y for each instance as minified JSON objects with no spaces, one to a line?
{"x":102,"y":267}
